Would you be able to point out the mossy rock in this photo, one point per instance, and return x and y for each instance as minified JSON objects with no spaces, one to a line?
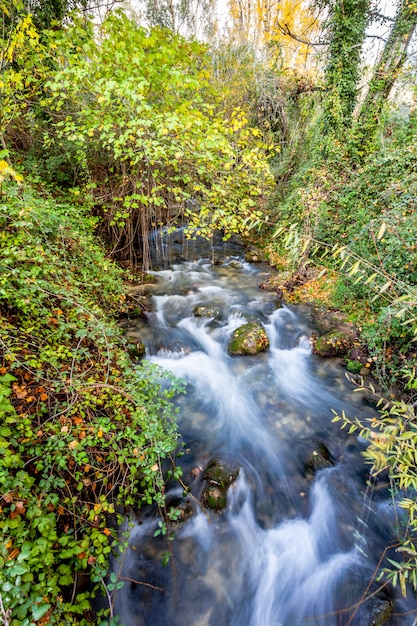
{"x":253,"y":256}
{"x":218,"y":476}
{"x":380,"y":612}
{"x":250,"y":338}
{"x":206,"y":311}
{"x":135,"y":348}
{"x":236,"y":265}
{"x":335,"y":343}
{"x":353,"y":366}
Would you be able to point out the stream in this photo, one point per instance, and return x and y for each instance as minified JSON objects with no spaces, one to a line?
{"x":302,"y":533}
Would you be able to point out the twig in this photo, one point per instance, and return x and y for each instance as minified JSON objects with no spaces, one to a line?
{"x":140,"y":582}
{"x":108,"y":595}
{"x":4,"y":614}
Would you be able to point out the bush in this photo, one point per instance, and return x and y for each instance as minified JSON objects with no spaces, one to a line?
{"x":83,"y":430}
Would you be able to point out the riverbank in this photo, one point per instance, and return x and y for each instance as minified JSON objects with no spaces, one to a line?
{"x":84,"y":428}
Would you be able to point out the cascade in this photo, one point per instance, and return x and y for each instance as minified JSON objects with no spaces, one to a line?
{"x":297,"y":544}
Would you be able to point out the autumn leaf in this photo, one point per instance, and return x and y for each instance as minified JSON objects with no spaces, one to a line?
{"x":20,"y":508}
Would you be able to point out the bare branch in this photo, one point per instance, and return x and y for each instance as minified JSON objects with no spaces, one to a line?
{"x":285,"y":30}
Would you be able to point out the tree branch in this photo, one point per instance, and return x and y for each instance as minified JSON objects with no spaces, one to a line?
{"x":380,"y":16}
{"x":285,"y":30}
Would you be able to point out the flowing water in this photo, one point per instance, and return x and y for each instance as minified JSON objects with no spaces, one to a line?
{"x":296,"y":544}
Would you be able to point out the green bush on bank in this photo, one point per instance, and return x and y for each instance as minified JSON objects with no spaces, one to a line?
{"x":83,"y":430}
{"x":362,"y":221}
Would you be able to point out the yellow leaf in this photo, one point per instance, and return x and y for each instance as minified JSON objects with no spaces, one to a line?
{"x":381,"y":231}
{"x":155,"y":467}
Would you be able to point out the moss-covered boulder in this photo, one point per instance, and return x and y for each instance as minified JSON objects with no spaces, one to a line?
{"x":336,"y":343}
{"x":218,"y":476}
{"x":250,"y":338}
{"x":206,"y":311}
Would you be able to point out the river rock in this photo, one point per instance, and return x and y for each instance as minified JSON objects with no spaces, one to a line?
{"x":314,"y":456}
{"x":268,"y":285}
{"x":218,"y":476}
{"x":253,"y":256}
{"x":206,"y":311}
{"x":236,"y":265}
{"x":250,"y":338}
{"x":336,"y":343}
{"x":380,"y":612}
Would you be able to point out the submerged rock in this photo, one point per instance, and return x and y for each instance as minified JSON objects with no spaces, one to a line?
{"x":250,"y":338}
{"x":236,"y":265}
{"x":218,"y":476}
{"x":206,"y":311}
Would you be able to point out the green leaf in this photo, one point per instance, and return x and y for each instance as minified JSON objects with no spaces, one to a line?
{"x":39,"y":611}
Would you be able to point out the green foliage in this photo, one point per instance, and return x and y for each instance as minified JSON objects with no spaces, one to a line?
{"x":83,"y":430}
{"x":49,"y":13}
{"x":385,"y":75}
{"x":22,"y":66}
{"x":347,"y":23}
{"x":363,"y":223}
{"x":142,"y":119}
{"x":392,"y":437}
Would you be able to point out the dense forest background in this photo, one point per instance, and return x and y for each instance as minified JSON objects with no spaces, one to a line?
{"x":291,"y":124}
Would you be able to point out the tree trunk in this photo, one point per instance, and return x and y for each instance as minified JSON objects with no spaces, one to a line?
{"x":347,"y":26}
{"x":386,"y":72}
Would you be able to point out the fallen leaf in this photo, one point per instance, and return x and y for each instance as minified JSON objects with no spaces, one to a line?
{"x":20,"y":507}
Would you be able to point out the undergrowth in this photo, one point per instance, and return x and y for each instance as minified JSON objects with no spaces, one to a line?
{"x":83,"y":429}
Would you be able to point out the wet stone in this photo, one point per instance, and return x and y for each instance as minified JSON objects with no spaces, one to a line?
{"x":218,"y":476}
{"x":206,"y":311}
{"x":332,"y":344}
{"x":250,"y":338}
{"x":380,"y":612}
{"x":314,"y":456}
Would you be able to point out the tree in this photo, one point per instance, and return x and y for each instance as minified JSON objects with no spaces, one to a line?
{"x":386,"y":72}
{"x":282,"y":29}
{"x":150,"y":138}
{"x":346,"y":29}
{"x":191,"y":18}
